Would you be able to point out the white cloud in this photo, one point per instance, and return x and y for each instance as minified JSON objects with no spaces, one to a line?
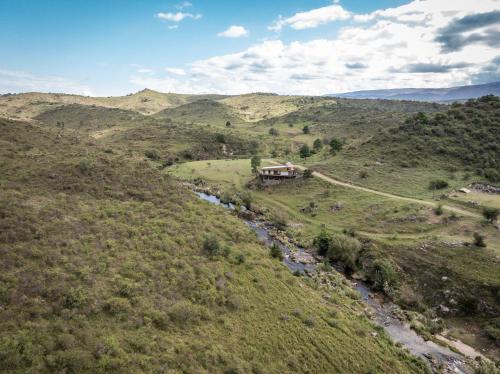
{"x":392,"y":48}
{"x":20,"y":81}
{"x":177,"y":17}
{"x":312,"y":18}
{"x":183,"y":4}
{"x":145,"y":71}
{"x":234,"y":31}
{"x":175,"y":71}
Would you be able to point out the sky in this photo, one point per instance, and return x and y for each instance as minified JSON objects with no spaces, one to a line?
{"x":310,"y":47}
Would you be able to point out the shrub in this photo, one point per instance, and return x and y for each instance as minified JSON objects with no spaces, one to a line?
{"x":336,"y":145}
{"x":306,"y":129}
{"x":308,"y":173}
{"x":240,"y":259}
{"x":228,"y":124}
{"x":220,"y":138}
{"x":309,"y":322}
{"x":74,"y":298}
{"x":346,"y":250}
{"x":322,"y":242}
{"x":152,"y":154}
{"x":211,"y":246}
{"x":185,"y":312}
{"x":275,"y":252}
{"x":437,"y":184}
{"x":492,"y":330}
{"x":384,"y":276}
{"x":363,"y":174}
{"x":246,"y":198}
{"x":479,"y":240}
{"x":317,"y":145}
{"x":438,"y":210}
{"x":273,"y":131}
{"x":84,"y":166}
{"x":339,"y":248}
{"x":117,"y":306}
{"x":492,"y":174}
{"x":279,"y":219}
{"x":490,"y":214}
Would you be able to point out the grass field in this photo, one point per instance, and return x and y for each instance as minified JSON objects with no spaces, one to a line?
{"x":105,"y":268}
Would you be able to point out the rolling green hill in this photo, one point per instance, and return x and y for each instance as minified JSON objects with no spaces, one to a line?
{"x":163,"y":139}
{"x":29,"y":105}
{"x":201,"y":112}
{"x":106,"y":268}
{"x":467,"y":134}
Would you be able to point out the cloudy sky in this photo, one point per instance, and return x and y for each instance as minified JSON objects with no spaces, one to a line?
{"x":114,"y":47}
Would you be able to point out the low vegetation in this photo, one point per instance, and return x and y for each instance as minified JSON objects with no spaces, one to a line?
{"x":108,"y":265}
{"x":110,"y":262}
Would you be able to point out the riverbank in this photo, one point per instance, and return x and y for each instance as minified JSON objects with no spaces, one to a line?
{"x":383,"y":313}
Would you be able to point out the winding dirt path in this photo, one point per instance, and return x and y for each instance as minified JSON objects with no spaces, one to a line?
{"x":385,"y":194}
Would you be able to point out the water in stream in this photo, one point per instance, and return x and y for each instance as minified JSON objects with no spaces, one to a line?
{"x":383,"y":311}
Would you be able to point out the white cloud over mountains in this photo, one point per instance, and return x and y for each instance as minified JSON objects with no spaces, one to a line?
{"x":428,"y":43}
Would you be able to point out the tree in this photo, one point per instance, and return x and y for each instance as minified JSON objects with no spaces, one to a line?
{"x":255,"y":162}
{"x":317,"y":145}
{"x":306,"y":129}
{"x":273,"y":131}
{"x":305,"y":151}
{"x":322,"y":242}
{"x":490,"y":214}
{"x":336,"y":145}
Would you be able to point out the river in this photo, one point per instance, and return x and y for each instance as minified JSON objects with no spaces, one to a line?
{"x":383,"y":311}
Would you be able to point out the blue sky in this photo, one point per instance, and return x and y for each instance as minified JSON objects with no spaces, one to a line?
{"x":114,"y":47}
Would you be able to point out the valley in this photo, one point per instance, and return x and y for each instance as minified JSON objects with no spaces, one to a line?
{"x":112,"y":264}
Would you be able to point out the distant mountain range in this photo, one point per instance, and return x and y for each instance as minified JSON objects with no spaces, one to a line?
{"x":427,"y":94}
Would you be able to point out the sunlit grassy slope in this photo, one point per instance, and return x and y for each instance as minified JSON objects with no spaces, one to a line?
{"x":29,"y":105}
{"x":103,"y":270}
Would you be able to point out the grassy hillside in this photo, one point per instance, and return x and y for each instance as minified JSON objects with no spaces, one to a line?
{"x":458,"y":145}
{"x":29,"y":105}
{"x":351,"y":120}
{"x":259,"y":106}
{"x":201,"y":112}
{"x":467,"y":134}
{"x":104,"y":270}
{"x":158,"y":138}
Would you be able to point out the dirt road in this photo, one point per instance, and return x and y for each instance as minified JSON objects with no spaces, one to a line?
{"x":385,"y":194}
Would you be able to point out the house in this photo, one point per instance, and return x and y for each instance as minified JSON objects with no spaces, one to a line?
{"x":278,"y":173}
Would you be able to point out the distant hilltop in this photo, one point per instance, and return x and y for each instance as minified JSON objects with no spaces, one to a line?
{"x":427,"y":94}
